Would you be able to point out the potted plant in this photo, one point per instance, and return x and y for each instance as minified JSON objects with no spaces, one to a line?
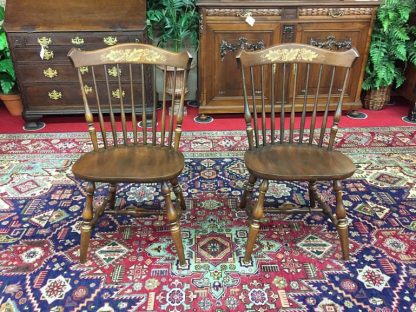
{"x":8,"y":94}
{"x":173,"y":25}
{"x":391,"y":48}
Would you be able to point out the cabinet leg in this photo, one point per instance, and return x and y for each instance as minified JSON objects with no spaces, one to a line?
{"x":33,"y":122}
{"x":202,"y":118}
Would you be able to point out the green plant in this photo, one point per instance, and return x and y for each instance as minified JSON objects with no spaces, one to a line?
{"x":392,"y":45}
{"x":7,"y":73}
{"x":173,"y":23}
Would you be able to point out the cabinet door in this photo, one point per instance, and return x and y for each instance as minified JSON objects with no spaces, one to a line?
{"x":220,"y":83}
{"x":337,"y":36}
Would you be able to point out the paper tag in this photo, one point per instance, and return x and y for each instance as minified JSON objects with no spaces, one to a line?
{"x":250,"y":20}
{"x":42,"y":52}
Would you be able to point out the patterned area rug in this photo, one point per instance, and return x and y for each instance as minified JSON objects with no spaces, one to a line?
{"x":132,"y":264}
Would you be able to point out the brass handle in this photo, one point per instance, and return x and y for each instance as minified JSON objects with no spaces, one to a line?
{"x":50,"y":73}
{"x":55,"y":95}
{"x":116,"y":93}
{"x":47,"y":55}
{"x":110,"y":40}
{"x":335,"y":13}
{"x":87,"y":89}
{"x":44,"y":41}
{"x":77,"y":40}
{"x":113,"y":71}
{"x":83,"y":69}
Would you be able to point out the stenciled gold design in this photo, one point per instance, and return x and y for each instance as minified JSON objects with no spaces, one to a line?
{"x":288,"y":55}
{"x":134,"y":55}
{"x":44,"y":41}
{"x":110,"y":40}
{"x":114,"y":72}
{"x":87,"y":89}
{"x":48,"y":55}
{"x":50,"y":73}
{"x":55,"y":95}
{"x":77,"y":40}
{"x":83,"y":69}
{"x":116,"y":93}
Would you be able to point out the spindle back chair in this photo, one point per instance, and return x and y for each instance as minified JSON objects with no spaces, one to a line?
{"x":113,"y":84}
{"x":283,"y":87}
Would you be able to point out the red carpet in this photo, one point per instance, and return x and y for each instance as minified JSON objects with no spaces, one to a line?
{"x":390,"y":116}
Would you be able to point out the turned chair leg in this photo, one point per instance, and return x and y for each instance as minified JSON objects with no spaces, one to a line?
{"x":173,"y":219}
{"x":342,"y":224}
{"x":112,"y":196}
{"x":178,"y":193}
{"x":312,"y":194}
{"x":257,"y":214}
{"x":248,"y":189}
{"x":86,"y":226}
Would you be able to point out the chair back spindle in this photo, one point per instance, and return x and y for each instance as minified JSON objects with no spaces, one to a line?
{"x":301,"y":79}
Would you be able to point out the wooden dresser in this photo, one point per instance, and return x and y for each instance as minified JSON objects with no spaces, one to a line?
{"x":40,"y":34}
{"x":335,"y":25}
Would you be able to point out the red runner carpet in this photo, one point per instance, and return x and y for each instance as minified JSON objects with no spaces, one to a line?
{"x":390,"y":116}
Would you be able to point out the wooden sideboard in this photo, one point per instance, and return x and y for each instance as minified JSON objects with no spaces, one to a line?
{"x":40,"y":34}
{"x":335,"y":25}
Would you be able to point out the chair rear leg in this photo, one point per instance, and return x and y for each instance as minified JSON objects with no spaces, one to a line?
{"x":248,"y":189}
{"x":86,"y":226}
{"x":112,"y":196}
{"x":342,"y":223}
{"x":173,"y":219}
{"x":178,"y":193}
{"x":257,"y":214}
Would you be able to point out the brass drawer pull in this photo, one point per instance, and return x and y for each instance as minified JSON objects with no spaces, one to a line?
{"x":50,"y":73}
{"x":77,"y":41}
{"x":87,"y":89}
{"x":46,"y":54}
{"x":116,"y":93}
{"x":110,"y":40}
{"x":114,"y":72}
{"x":83,"y":69}
{"x":44,"y":41}
{"x":55,"y":95}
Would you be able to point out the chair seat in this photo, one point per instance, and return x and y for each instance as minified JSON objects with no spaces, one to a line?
{"x":298,"y":162}
{"x":134,"y":164}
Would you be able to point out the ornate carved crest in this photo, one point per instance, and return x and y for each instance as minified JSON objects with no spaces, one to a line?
{"x":134,"y":55}
{"x":288,"y":55}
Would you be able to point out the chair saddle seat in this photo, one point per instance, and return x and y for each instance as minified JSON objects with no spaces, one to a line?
{"x":298,"y":162}
{"x":132,"y":163}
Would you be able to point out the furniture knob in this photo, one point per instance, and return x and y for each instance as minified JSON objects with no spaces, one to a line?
{"x":50,"y":73}
{"x":87,"y":89}
{"x":83,"y":69}
{"x":117,"y":94}
{"x":55,"y":95}
{"x":44,"y":41}
{"x":110,"y":40}
{"x":77,"y":41}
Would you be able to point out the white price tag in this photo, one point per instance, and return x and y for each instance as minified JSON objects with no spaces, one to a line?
{"x":250,"y":20}
{"x":42,"y":52}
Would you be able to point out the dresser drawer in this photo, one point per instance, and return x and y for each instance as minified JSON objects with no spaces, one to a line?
{"x":46,"y":72}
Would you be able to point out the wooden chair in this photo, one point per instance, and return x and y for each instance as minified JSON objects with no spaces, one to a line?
{"x":287,"y":79}
{"x":113,"y":84}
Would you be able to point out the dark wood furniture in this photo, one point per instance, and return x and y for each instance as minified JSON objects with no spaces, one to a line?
{"x":301,"y":151}
{"x":134,"y":155}
{"x":40,"y":34}
{"x":408,"y":90}
{"x":335,"y":25}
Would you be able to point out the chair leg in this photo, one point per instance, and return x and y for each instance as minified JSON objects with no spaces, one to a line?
{"x":342,"y":223}
{"x":248,"y":189}
{"x":173,"y":219}
{"x":86,"y":226}
{"x":312,"y":194}
{"x":257,"y":214}
{"x":179,"y":193}
{"x":112,"y":196}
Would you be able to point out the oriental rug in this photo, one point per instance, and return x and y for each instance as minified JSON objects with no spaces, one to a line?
{"x":132,"y":266}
